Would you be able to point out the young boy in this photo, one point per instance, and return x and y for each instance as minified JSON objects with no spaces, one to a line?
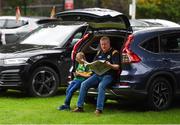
{"x":82,"y":72}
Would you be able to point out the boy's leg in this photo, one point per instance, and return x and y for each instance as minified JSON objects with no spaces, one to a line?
{"x":106,"y":80}
{"x":66,"y":103}
{"x":90,"y":82}
{"x":70,"y":86}
{"x":76,"y":85}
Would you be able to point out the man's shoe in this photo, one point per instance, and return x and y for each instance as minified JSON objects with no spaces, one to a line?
{"x":78,"y":109}
{"x":98,"y":112}
{"x":64,"y":107}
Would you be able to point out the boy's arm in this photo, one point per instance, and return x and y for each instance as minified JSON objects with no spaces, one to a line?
{"x":84,"y":74}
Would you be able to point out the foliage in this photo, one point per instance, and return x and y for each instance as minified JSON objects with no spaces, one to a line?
{"x":15,"y":3}
{"x":119,"y":5}
{"x":163,"y":9}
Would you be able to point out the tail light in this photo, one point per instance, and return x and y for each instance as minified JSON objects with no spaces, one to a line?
{"x":128,"y":56}
{"x":76,"y":46}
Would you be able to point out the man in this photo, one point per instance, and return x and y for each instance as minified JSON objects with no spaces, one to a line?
{"x":102,"y":81}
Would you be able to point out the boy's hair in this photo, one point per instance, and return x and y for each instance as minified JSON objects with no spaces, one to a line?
{"x":81,"y":54}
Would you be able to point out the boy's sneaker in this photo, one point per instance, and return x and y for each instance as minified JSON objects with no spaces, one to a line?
{"x":64,"y":107}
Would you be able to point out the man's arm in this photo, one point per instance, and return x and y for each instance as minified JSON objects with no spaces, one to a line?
{"x":113,"y":66}
{"x":115,"y":61}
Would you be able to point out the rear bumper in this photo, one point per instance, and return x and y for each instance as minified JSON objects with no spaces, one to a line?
{"x":121,"y":92}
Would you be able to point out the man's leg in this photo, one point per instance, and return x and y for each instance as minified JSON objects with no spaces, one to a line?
{"x":105,"y":81}
{"x":90,"y":82}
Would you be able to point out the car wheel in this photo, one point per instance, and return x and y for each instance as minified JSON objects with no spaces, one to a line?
{"x":160,"y":94}
{"x":2,"y":90}
{"x":44,"y":82}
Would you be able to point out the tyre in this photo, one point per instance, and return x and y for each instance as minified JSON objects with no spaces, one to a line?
{"x":44,"y":82}
{"x":159,"y":94}
{"x":3,"y":90}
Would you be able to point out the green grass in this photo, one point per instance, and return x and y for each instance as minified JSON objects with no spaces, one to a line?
{"x":18,"y":109}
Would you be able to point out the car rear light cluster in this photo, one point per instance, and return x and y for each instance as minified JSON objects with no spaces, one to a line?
{"x":128,"y":56}
{"x":76,"y":46}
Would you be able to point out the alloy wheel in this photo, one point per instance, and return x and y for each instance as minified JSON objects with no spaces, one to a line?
{"x":44,"y":83}
{"x":160,"y":94}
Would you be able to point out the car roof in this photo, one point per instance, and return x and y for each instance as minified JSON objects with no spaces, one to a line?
{"x":70,"y":23}
{"x":138,"y":24}
{"x":161,"y":22}
{"x":35,"y":19}
{"x":93,"y":11}
{"x":21,"y":18}
{"x":156,"y":29}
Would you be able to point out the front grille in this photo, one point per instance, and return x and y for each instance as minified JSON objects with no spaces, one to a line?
{"x":10,"y":78}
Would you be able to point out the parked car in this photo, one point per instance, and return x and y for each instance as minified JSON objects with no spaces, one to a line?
{"x":159,"y":23}
{"x":138,"y":24}
{"x":11,"y":30}
{"x":149,"y":65}
{"x":39,"y":62}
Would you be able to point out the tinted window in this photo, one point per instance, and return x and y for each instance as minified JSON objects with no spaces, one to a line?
{"x":170,"y":43}
{"x":76,"y":38}
{"x":151,"y":45}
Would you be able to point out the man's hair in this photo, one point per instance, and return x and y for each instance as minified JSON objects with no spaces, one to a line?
{"x":105,"y":38}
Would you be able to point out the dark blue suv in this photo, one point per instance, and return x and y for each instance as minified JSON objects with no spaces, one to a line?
{"x":150,"y":66}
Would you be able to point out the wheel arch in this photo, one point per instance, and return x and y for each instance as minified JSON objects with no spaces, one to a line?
{"x":165,"y":74}
{"x":46,"y":63}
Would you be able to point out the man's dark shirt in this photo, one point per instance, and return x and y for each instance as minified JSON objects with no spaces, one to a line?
{"x":112,"y":56}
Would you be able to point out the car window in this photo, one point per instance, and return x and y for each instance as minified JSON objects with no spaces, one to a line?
{"x":2,"y":22}
{"x":53,"y":35}
{"x":76,"y":38}
{"x":170,"y":43}
{"x":11,"y":38}
{"x":14,"y":24}
{"x":151,"y":45}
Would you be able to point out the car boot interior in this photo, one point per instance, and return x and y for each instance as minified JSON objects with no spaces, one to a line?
{"x":92,"y":47}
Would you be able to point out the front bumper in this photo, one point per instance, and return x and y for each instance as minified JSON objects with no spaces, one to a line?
{"x":13,"y":76}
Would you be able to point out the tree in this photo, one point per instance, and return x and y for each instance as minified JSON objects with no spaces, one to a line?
{"x":163,"y":9}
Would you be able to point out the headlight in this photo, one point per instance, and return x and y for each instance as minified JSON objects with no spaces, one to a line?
{"x":15,"y":61}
